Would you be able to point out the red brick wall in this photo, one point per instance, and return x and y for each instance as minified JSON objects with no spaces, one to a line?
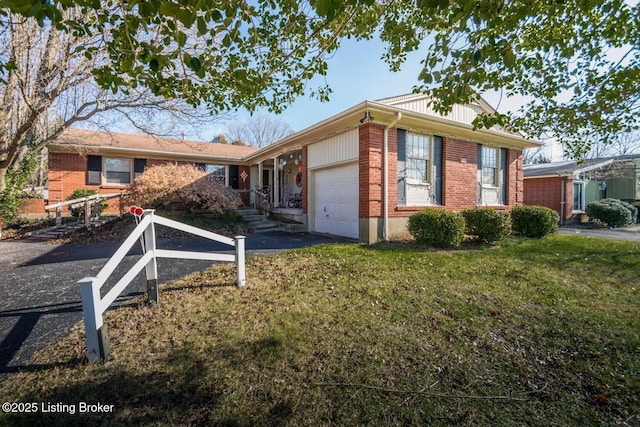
{"x":548,"y":192}
{"x":459,"y":174}
{"x":31,"y":206}
{"x":370,"y":170}
{"x":244,"y":186}
{"x":515,"y":192}
{"x":67,"y":172}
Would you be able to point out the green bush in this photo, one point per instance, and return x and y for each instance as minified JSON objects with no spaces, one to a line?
{"x":534,"y":221}
{"x":487,"y":225}
{"x":437,"y":227}
{"x":78,"y":212}
{"x":613,"y":212}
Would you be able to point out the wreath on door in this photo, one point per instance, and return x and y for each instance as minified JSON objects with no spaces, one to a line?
{"x":299,"y":179}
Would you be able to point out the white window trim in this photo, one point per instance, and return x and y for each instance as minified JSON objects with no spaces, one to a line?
{"x":496,"y":169}
{"x":103,"y":173}
{"x":430,"y":177}
{"x":226,"y":171}
{"x":419,"y":183}
{"x":582,"y":196}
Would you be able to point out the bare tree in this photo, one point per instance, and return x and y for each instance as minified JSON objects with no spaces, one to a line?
{"x":52,"y":86}
{"x":626,"y":143}
{"x":621,"y":145}
{"x":534,"y":156}
{"x":258,"y":131}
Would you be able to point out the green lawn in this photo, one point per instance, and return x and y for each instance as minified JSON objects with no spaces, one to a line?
{"x":535,"y":332}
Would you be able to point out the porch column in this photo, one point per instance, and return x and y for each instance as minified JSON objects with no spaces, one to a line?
{"x":260,"y":184}
{"x":276,"y":183}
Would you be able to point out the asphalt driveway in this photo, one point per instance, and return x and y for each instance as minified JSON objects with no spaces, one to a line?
{"x":40,"y":298}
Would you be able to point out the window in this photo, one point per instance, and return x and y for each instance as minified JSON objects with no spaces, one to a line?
{"x":418,"y":152}
{"x":117,"y":171}
{"x":217,"y":172}
{"x":490,"y":166}
{"x":578,"y":196}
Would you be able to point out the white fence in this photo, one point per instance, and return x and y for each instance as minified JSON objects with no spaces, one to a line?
{"x":88,"y":202}
{"x":94,"y":306}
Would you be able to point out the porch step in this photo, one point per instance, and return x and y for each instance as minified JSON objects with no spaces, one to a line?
{"x":259,"y":223}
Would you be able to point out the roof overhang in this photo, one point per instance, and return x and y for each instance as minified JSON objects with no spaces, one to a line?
{"x":133,"y":152}
{"x":555,"y":175}
{"x":594,"y":166}
{"x":384,"y":114}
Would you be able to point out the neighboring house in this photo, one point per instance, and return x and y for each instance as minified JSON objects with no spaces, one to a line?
{"x":358,"y":174}
{"x":567,"y":187}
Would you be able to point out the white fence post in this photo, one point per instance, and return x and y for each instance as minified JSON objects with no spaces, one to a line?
{"x":95,"y":331}
{"x":240,"y":260}
{"x":58,"y":213}
{"x":151,"y":269}
{"x":87,"y":214}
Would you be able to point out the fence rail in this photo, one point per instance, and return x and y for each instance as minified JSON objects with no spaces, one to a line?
{"x":94,"y":306}
{"x":87,"y":201}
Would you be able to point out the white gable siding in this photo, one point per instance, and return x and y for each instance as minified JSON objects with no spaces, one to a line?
{"x":460,"y":113}
{"x":336,"y":149}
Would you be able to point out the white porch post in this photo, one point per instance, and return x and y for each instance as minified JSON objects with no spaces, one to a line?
{"x":276,"y":183}
{"x":260,"y":183}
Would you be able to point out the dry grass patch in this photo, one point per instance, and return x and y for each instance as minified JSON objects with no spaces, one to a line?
{"x":534,"y":332}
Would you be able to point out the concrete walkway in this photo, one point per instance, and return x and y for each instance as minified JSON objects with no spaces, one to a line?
{"x":631,"y":233}
{"x":40,"y":298}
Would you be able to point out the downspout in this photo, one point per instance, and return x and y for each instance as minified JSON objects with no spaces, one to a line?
{"x":385,"y":191}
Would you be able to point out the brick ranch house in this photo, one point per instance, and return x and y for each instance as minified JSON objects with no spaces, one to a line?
{"x":358,"y":174}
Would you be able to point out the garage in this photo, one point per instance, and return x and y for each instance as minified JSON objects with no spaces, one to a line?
{"x":336,"y":201}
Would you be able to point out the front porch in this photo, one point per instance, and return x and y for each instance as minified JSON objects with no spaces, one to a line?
{"x":280,"y":180}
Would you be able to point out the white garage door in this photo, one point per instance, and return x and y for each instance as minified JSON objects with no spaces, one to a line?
{"x":336,"y":201}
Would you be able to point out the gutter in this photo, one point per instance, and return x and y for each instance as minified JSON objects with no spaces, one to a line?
{"x":385,"y":192}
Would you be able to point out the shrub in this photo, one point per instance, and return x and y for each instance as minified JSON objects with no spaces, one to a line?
{"x":164,"y":185}
{"x":437,"y":227}
{"x":487,"y":225}
{"x":78,"y":211}
{"x":613,"y":212}
{"x":534,"y":221}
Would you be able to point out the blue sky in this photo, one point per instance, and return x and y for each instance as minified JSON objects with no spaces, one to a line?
{"x":356,"y":73}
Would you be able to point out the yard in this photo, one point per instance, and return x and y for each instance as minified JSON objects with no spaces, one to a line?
{"x":534,"y":332}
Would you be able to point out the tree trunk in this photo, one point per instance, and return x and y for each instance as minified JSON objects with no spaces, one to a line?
{"x":3,"y":184}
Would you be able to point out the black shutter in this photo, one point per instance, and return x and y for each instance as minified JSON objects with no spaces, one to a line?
{"x":479,"y":179}
{"x":139,"y":165}
{"x":233,"y":176}
{"x":402,"y":166}
{"x":94,"y":170}
{"x":503,"y":176}
{"x":438,"y":153}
